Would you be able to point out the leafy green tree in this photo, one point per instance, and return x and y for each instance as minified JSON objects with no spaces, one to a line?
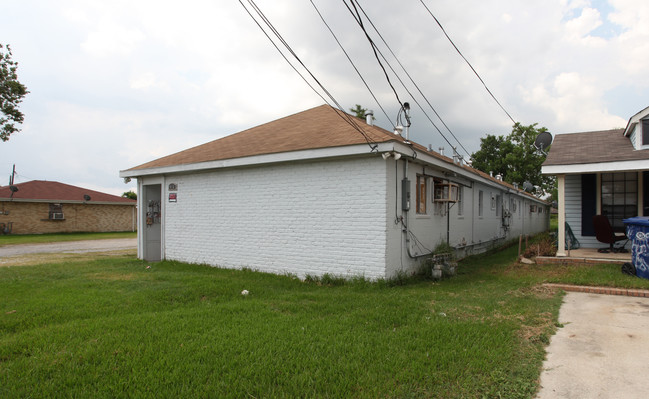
{"x":130,"y":195}
{"x":11,"y":94}
{"x":359,"y":111}
{"x":515,"y":157}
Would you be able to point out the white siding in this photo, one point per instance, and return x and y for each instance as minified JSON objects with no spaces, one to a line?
{"x":300,"y":218}
{"x":573,"y":211}
{"x":635,"y":138}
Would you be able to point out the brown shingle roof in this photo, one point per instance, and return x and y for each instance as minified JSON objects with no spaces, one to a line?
{"x":593,"y":147}
{"x":318,"y":127}
{"x":42,"y":190}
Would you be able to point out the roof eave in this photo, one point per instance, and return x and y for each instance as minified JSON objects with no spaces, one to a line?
{"x":59,"y":201}
{"x":596,"y":167}
{"x":290,"y":156}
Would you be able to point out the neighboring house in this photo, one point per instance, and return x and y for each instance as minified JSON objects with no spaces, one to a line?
{"x":602,"y":172}
{"x":42,"y":206}
{"x":307,"y":195}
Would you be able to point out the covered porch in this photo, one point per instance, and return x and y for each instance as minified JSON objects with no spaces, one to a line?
{"x":586,"y":255}
{"x":599,"y":173}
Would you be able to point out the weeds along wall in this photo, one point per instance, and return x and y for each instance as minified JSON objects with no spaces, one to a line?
{"x":303,"y":218}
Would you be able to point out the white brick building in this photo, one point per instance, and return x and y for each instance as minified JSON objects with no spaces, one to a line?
{"x":306,"y":195}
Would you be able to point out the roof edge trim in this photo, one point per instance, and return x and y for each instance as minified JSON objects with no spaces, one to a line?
{"x":621,"y":166}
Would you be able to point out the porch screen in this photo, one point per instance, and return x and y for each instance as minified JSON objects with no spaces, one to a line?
{"x":619,"y":197}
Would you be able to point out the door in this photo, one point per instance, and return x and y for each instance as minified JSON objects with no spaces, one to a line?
{"x":152,"y":217}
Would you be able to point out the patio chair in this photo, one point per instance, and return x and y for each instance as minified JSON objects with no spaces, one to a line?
{"x":605,"y":234}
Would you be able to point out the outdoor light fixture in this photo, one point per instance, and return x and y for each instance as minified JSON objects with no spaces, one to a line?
{"x":393,"y":154}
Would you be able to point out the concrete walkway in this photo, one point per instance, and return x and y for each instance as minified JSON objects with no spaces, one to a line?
{"x":70,"y":247}
{"x":601,"y":352}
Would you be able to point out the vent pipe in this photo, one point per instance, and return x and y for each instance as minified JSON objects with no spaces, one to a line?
{"x":369,"y":117}
{"x":441,"y":150}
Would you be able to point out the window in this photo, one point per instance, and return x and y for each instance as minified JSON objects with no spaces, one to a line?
{"x":480,"y":202}
{"x":619,"y":197}
{"x":56,"y":212}
{"x":460,"y":201}
{"x":645,"y":132}
{"x":421,"y":194}
{"x":499,"y":204}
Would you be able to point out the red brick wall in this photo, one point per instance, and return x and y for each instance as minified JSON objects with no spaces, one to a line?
{"x":33,"y":218}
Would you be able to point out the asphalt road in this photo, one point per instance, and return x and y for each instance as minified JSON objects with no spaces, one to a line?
{"x":70,"y":247}
{"x":602,"y":350}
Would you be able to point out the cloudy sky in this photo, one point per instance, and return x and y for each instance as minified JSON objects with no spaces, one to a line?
{"x":114,"y":84}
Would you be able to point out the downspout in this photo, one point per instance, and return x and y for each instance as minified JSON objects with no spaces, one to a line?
{"x":448,"y":224}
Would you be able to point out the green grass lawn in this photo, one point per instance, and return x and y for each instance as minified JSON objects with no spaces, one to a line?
{"x":113,"y":327}
{"x":554,"y":222}
{"x":41,"y":238}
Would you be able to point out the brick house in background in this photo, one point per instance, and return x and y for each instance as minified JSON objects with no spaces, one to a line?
{"x":42,"y":206}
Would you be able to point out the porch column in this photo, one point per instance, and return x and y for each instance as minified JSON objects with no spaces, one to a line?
{"x":561,"y":242}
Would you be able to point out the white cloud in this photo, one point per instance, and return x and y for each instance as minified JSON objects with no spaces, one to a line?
{"x":143,"y":81}
{"x":578,"y":29}
{"x":575,"y":102}
{"x":111,"y":40}
{"x":115,"y":84}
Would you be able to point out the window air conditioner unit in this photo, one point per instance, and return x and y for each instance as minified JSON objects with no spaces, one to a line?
{"x":57,"y":216}
{"x":446,"y":192}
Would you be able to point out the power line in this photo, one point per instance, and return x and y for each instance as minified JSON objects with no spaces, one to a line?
{"x":467,"y":61}
{"x":351,"y":62}
{"x":415,"y":84}
{"x":351,"y":121}
{"x":377,"y":50}
{"x":359,"y":20}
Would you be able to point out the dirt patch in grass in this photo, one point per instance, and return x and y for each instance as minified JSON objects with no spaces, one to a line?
{"x":539,"y":331}
{"x":540,"y":291}
{"x":40,"y":258}
{"x":549,"y":271}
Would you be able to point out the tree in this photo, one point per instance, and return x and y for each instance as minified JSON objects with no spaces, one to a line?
{"x":11,"y":94}
{"x":130,"y":195}
{"x":359,"y":111}
{"x":515,"y":157}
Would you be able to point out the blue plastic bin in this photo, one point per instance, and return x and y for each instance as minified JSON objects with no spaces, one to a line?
{"x":637,"y":229}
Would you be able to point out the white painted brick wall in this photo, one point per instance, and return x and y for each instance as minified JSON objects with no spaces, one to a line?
{"x":302,"y":218}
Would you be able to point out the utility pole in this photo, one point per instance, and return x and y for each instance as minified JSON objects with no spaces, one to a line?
{"x":11,"y":178}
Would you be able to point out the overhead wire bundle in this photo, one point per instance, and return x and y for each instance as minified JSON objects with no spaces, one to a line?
{"x":361,"y":18}
{"x":350,"y":120}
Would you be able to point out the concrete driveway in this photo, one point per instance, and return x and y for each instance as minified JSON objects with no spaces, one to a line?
{"x":601,"y":352}
{"x":70,"y":247}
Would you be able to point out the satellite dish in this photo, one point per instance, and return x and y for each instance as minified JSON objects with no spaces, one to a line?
{"x":13,"y":189}
{"x":86,"y":197}
{"x":543,"y":141}
{"x":527,"y":186}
